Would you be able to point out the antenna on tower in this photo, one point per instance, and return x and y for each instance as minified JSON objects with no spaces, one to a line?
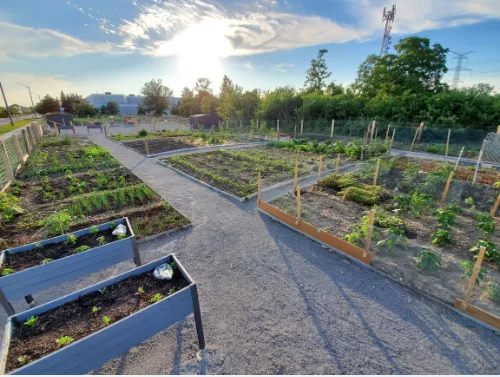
{"x":388,"y":17}
{"x":460,"y":56}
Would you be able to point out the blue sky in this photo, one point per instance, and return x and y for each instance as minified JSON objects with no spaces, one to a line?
{"x":90,"y":46}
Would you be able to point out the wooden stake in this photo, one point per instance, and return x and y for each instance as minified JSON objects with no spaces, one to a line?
{"x":295,"y":132}
{"x":376,"y":173}
{"x":298,"y":206}
{"x":17,"y":147}
{"x":392,"y":139}
{"x":447,"y":187}
{"x":302,"y":126}
{"x":320,"y":167}
{"x":56,"y":130}
{"x":296,"y":174}
{"x":136,"y":122}
{"x":421,"y":129}
{"x":259,"y":188}
{"x":475,"y":273}
{"x":495,"y":207}
{"x":278,"y":129}
{"x":105,"y":132}
{"x":337,"y":164}
{"x":25,"y":137}
{"x":146,"y":142}
{"x":30,"y":135}
{"x":459,"y":157}
{"x":6,"y":162}
{"x":373,"y":130}
{"x":414,"y":138}
{"x":64,"y":122}
{"x":478,"y":163}
{"x":371,"y":218}
{"x":73,"y":127}
{"x":387,"y":133}
{"x":332,"y":128}
{"x":498,"y":130}
{"x":448,"y":141}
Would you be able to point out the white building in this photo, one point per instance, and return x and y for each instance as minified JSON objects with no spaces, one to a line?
{"x":127,"y":104}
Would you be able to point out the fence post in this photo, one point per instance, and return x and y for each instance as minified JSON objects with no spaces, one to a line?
{"x":297,"y":222}
{"x":302,"y":126}
{"x":447,"y":187}
{"x":333,"y":128}
{"x":478,"y":163}
{"x":414,"y":138}
{"x":295,"y":132}
{"x":146,"y":142}
{"x":376,"y":173}
{"x":448,"y":141}
{"x":56,"y":130}
{"x":387,"y":133}
{"x":337,"y":164}
{"x":371,"y":218}
{"x":25,"y":137}
{"x":259,"y":188}
{"x":17,"y":147}
{"x":320,"y":167}
{"x":420,"y":130}
{"x":475,"y":273}
{"x":6,"y":161}
{"x":64,"y":122}
{"x":498,"y":130}
{"x":278,"y":129}
{"x":373,"y":130}
{"x":31,"y":137}
{"x":392,"y":139}
{"x":495,"y":207}
{"x":296,"y":173}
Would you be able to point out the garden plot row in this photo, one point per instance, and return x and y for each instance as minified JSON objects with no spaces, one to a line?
{"x":83,"y":213}
{"x":422,"y":223}
{"x":236,"y":171}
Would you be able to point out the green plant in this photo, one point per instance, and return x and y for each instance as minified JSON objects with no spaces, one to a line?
{"x":393,"y":240}
{"x":359,"y":232}
{"x":7,"y":271}
{"x":71,"y":239}
{"x":359,"y":195}
{"x":31,"y":321}
{"x":494,"y":293}
{"x":446,"y":218}
{"x":95,"y":309}
{"x":106,"y":320}
{"x":64,"y":340}
{"x":140,"y":291}
{"x":22,"y":359}
{"x":485,"y":223}
{"x":172,"y":264}
{"x":455,"y":208}
{"x":94,"y":229}
{"x":429,"y":260}
{"x":58,"y":223}
{"x":121,"y":236}
{"x":468,"y":267}
{"x":103,"y":290}
{"x":47,"y":260}
{"x":492,"y":253}
{"x":9,"y":207}
{"x":469,"y":201}
{"x":157,"y":297}
{"x":81,"y":249}
{"x":441,"y":237}
{"x":101,"y":240}
{"x":38,"y":244}
{"x":171,"y":291}
{"x":142,"y":133}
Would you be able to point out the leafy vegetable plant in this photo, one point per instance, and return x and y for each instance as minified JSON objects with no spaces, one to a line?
{"x":157,"y":297}
{"x":101,"y":240}
{"x":71,"y":239}
{"x":22,"y":359}
{"x":31,"y":321}
{"x":485,"y":223}
{"x":81,"y":249}
{"x":64,"y":340}
{"x":429,"y":260}
{"x":94,"y":229}
{"x":140,"y":291}
{"x":95,"y":309}
{"x":442,"y":237}
{"x":47,"y":260}
{"x":106,"y":320}
{"x":7,"y":271}
{"x":468,"y":267}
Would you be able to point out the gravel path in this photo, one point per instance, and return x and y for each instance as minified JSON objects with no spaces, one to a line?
{"x":275,"y":302}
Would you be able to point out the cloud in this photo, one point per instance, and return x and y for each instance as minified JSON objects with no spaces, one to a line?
{"x":16,"y":40}
{"x":282,"y":67}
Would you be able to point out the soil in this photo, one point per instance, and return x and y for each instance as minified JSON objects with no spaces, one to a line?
{"x":163,"y":144}
{"x":22,"y":261}
{"x":76,"y":320}
{"x":323,"y":209}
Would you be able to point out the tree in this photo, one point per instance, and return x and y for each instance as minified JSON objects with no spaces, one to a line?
{"x":84,"y":109}
{"x":228,"y":99}
{"x":482,"y":88}
{"x":15,"y":110}
{"x":68,"y":101}
{"x":318,"y":73}
{"x":112,"y":108}
{"x":156,"y":97}
{"x":47,"y":105}
{"x":3,"y":113}
{"x":203,"y":85}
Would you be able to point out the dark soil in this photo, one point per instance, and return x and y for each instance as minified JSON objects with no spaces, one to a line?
{"x":76,"y":320}
{"x":32,"y":258}
{"x":163,"y":144}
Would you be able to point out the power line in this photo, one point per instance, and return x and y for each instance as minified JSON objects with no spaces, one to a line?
{"x":388,"y":17}
{"x":461,"y":56}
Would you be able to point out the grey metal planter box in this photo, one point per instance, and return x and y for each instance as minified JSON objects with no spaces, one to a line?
{"x":27,"y":282}
{"x":92,"y":351}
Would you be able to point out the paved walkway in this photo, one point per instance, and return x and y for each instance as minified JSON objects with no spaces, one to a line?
{"x":275,"y":302}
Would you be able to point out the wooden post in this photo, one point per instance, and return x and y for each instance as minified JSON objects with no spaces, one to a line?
{"x":278,"y":129}
{"x":367,"y":136}
{"x":320,"y":167}
{"x":392,"y":139}
{"x":296,"y":173}
{"x":64,"y":122}
{"x":495,"y":207}
{"x":146,"y":142}
{"x":17,"y":147}
{"x":337,"y":164}
{"x":302,"y":126}
{"x":259,"y":188}
{"x":6,"y":162}
{"x":478,"y":163}
{"x":448,"y":141}
{"x":371,"y":218}
{"x":459,"y":157}
{"x":498,"y":130}
{"x":363,"y":147}
{"x":105,"y":132}
{"x":136,"y":122}
{"x":295,"y":132}
{"x":30,"y":135}
{"x":298,"y":206}
{"x":73,"y":127}
{"x":40,"y":129}
{"x":56,"y":130}
{"x":373,"y":130}
{"x":447,"y":187}
{"x":414,"y":138}
{"x":377,"y":169}
{"x":376,"y":132}
{"x":25,"y":137}
{"x":387,"y":133}
{"x":332,"y":128}
{"x":420,"y":130}
{"x":475,"y":273}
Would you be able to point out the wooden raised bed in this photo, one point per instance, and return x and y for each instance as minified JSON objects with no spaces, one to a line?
{"x":25,"y":283}
{"x":93,"y":350}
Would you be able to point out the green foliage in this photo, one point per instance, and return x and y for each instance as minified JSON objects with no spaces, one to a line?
{"x":156,"y":95}
{"x":429,"y":260}
{"x":121,"y":236}
{"x":9,"y":207}
{"x":359,"y":232}
{"x":485,"y":223}
{"x":446,"y":218}
{"x":140,"y":291}
{"x":317,"y":74}
{"x":101,"y":240}
{"x":416,"y":203}
{"x":47,"y":105}
{"x":157,"y":297}
{"x":81,"y":249}
{"x":468,"y":267}
{"x":31,"y":321}
{"x":95,"y":309}
{"x":492,"y":252}
{"x":7,"y":271}
{"x":494,"y":293}
{"x":339,"y":182}
{"x":64,"y":340}
{"x":393,"y":240}
{"x":106,"y":320}
{"x":47,"y":260}
{"x":71,"y":239}
{"x":94,"y":229}
{"x":143,"y":133}
{"x":455,"y":208}
{"x":58,"y":223}
{"x":103,"y":290}
{"x":171,"y":291}
{"x":360,"y":195}
{"x":442,"y":237}
{"x":22,"y":359}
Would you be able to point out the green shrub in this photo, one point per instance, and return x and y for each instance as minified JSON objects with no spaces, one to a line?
{"x":442,"y":237}
{"x":339,"y":182}
{"x":142,"y":133}
{"x":491,"y":254}
{"x":446,"y":218}
{"x":429,"y":260}
{"x":353,"y":150}
{"x":58,"y":223}
{"x":485,"y":223}
{"x":468,"y":267}
{"x":360,"y":195}
{"x":9,"y":207}
{"x":494,"y":293}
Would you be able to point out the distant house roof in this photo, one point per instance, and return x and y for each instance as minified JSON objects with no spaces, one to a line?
{"x":126,"y":103}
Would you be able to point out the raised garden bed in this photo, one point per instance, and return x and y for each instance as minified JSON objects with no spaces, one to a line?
{"x":421,"y":242}
{"x":31,"y":268}
{"x":236,"y":171}
{"x":79,"y":332}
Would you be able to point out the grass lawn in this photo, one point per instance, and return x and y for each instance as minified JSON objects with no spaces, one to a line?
{"x":7,"y":127}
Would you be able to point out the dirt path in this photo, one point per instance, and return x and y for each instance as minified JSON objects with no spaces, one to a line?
{"x":275,"y":302}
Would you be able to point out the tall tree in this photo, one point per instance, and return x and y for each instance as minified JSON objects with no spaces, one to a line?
{"x":317,"y":74}
{"x":112,"y":108}
{"x":69,"y":100}
{"x":155,"y":97}
{"x":228,"y":99}
{"x":47,"y":105}
{"x":203,"y":85}
{"x":84,"y":109}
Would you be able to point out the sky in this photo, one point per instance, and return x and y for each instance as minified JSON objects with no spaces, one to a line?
{"x":96,"y":46}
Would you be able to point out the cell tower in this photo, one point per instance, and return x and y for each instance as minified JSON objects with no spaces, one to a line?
{"x":460,"y":56}
{"x":388,"y":17}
